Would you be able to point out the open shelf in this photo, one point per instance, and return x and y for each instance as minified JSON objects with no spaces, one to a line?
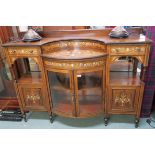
{"x":125,"y":72}
{"x":30,"y":78}
{"x":125,"y":78}
{"x":121,"y":65}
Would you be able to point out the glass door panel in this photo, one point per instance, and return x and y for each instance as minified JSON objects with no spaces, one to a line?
{"x":61,"y":92}
{"x":90,"y":96}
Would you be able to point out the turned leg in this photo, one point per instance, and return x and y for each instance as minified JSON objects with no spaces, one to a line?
{"x":136,"y":122}
{"x":106,"y":119}
{"x":52,"y":118}
{"x":25,"y":118}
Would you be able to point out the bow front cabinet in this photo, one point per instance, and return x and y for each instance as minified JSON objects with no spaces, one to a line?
{"x":80,"y":77}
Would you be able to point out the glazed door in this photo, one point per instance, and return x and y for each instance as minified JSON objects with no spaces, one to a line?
{"x":90,"y":87}
{"x":62,"y":93}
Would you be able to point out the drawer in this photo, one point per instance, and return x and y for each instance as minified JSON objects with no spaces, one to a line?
{"x":128,"y":50}
{"x":85,"y":64}
{"x":123,"y":100}
{"x":23,"y":51}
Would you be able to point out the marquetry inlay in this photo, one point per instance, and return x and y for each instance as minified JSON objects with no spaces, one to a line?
{"x":75,"y":65}
{"x":23,"y":51}
{"x":123,"y":99}
{"x":32,"y":96}
{"x":127,"y":50}
{"x":72,"y":45}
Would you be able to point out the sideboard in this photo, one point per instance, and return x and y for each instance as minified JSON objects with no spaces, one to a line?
{"x":80,"y":76}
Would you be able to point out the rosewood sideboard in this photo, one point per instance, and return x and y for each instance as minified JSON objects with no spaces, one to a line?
{"x":80,"y":76}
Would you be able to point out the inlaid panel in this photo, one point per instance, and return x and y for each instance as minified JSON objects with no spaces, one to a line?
{"x":17,"y":51}
{"x":123,"y":100}
{"x":31,"y":96}
{"x":128,"y":50}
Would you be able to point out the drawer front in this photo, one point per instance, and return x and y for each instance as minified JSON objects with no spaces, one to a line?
{"x":87,"y":64}
{"x":123,"y":100}
{"x":31,"y":97}
{"x":128,"y":50}
{"x":17,"y":51}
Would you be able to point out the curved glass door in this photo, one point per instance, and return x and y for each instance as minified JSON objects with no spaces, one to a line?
{"x":62,"y":95}
{"x":90,"y":93}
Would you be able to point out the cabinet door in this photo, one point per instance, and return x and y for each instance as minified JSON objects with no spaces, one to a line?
{"x":61,"y":92}
{"x":123,"y":100}
{"x":32,"y":96}
{"x":90,"y":88}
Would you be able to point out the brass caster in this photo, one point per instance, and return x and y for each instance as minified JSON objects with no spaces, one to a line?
{"x":136,"y":123}
{"x":106,"y":119}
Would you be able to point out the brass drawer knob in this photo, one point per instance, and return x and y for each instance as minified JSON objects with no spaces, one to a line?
{"x":31,"y":51}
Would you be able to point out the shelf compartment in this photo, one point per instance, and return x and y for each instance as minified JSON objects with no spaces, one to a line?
{"x":30,"y":78}
{"x":121,"y":65}
{"x":125,"y":79}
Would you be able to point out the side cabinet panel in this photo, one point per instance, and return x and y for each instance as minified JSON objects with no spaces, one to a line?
{"x":32,"y":97}
{"x":123,"y":100}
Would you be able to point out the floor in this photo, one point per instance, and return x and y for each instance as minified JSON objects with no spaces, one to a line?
{"x":41,"y":121}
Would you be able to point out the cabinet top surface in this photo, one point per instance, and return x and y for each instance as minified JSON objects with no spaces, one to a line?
{"x":133,"y":39}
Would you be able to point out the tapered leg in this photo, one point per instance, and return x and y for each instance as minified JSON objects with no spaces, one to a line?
{"x":136,"y":122}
